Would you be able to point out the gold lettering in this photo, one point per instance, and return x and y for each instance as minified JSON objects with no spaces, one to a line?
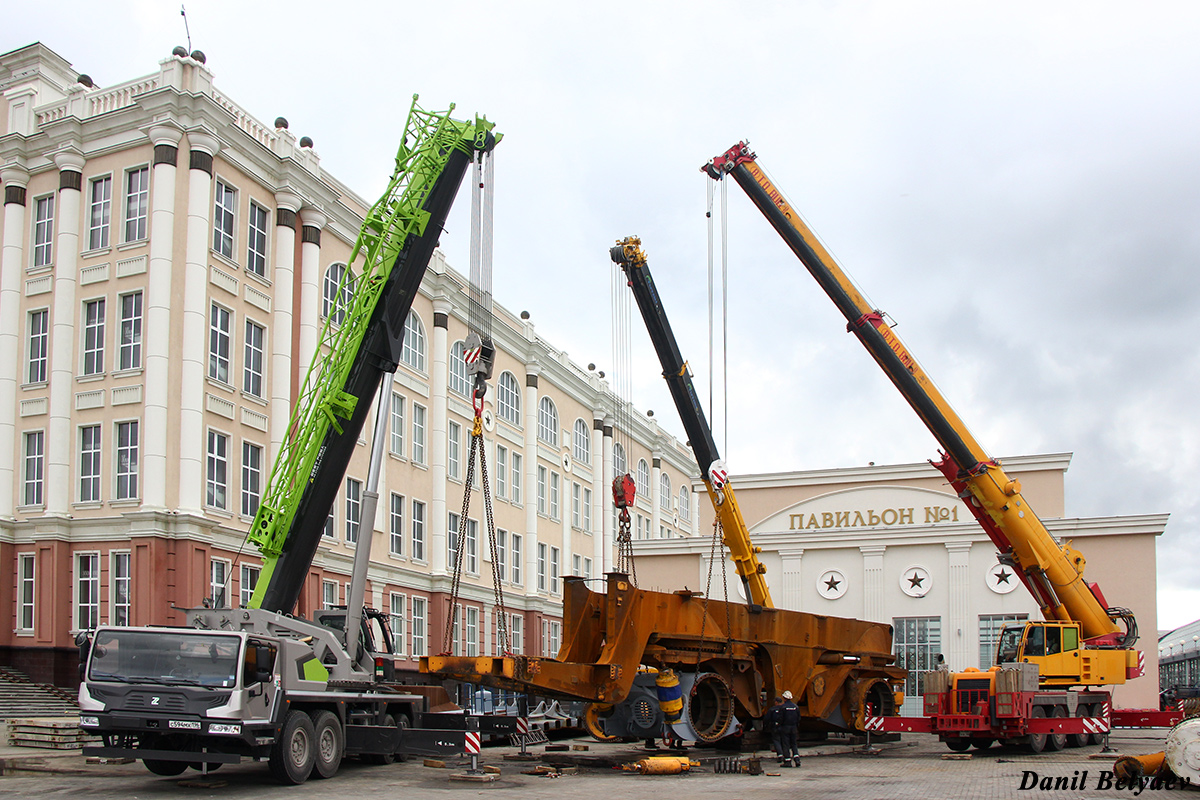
{"x":794,"y":521}
{"x":812,"y":521}
{"x":895,"y":516}
{"x":858,"y":519}
{"x":842,"y":520}
{"x":827,"y":519}
{"x":906,"y":516}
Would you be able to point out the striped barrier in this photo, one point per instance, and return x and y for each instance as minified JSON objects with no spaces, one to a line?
{"x":473,"y":743}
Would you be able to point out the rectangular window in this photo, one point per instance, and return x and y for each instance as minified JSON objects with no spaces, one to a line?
{"x":127,"y":460}
{"x":219,"y":583}
{"x":516,"y":633}
{"x":251,"y":478}
{"x":418,"y":530}
{"x":223,"y":219}
{"x":329,"y":591}
{"x":472,"y":631}
{"x":418,"y":626}
{"x":554,"y":492}
{"x":576,"y":505}
{"x":93,"y":337}
{"x":89,"y":464}
{"x":248,"y":584}
{"x":328,"y":530}
{"x":25,"y":591}
{"x":396,"y":525}
{"x":353,"y":509}
{"x":217,"y":479}
{"x":35,"y":465}
{"x":100,"y":212}
{"x":396,"y":622}
{"x":252,"y":364}
{"x":129,"y":348}
{"x":516,"y":477}
{"x":990,"y":626}
{"x":87,"y":591}
{"x":137,"y":203}
{"x":218,"y":343}
{"x":917,"y":642}
{"x":397,"y":425}
{"x":501,"y":471}
{"x":587,"y":568}
{"x":516,"y":558}
{"x":453,"y":443}
{"x":471,"y":556}
{"x":555,"y":639}
{"x":256,"y":251}
{"x":120,"y":564}
{"x":418,"y":434}
{"x":541,"y":489}
{"x":587,"y":509}
{"x":554,"y":570}
{"x":502,"y":553}
{"x":541,"y":567}
{"x":39,"y":345}
{"x":43,"y":231}
{"x":576,"y":564}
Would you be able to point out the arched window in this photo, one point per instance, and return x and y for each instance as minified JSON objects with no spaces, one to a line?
{"x":337,"y":292}
{"x":458,"y":370}
{"x":413,"y":350}
{"x":620,"y":467}
{"x":664,"y":491}
{"x":582,"y":442}
{"x":643,"y":478}
{"x":685,"y":502}
{"x":508,"y":398}
{"x":548,"y":422}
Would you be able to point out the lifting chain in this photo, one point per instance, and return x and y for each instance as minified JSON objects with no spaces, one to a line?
{"x":500,"y":611}
{"x":625,"y":562}
{"x":718,"y":536}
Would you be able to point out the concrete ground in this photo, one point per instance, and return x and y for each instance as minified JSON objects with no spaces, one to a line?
{"x":912,"y":769}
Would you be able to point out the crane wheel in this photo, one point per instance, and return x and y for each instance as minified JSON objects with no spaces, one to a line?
{"x":1037,"y":741}
{"x":959,"y":745}
{"x":1057,"y":741}
{"x":1080,"y":739}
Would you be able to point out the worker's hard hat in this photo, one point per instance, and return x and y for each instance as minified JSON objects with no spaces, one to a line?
{"x":787,"y":695}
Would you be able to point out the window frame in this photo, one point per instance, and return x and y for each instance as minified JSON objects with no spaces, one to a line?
{"x":91,"y":453}
{"x":353,"y":510}
{"x":453,"y":449}
{"x":396,"y":442}
{"x":216,"y":463}
{"x":419,"y":417}
{"x":130,"y":311}
{"x":115,"y":582}
{"x":137,"y":220}
{"x":547,"y":421}
{"x":515,"y":553}
{"x":220,"y":342}
{"x":515,"y":493}
{"x":326,"y":603}
{"x":418,"y":624}
{"x":664,"y":490}
{"x":396,"y":524}
{"x":581,"y":442}
{"x":33,"y":468}
{"x":26,"y":599}
{"x":254,"y":358}
{"x":99,"y":230}
{"x":458,"y":382}
{"x":418,"y":530}
{"x":252,"y":469}
{"x":225,"y":200}
{"x":129,"y":472}
{"x":94,"y":317}
{"x":42,"y":236}
{"x":246,"y":587}
{"x":413,"y":347}
{"x":396,"y":621}
{"x":642,"y":478}
{"x":93,"y":582}
{"x":41,"y":338}
{"x":256,"y":257}
{"x":337,"y":293}
{"x":508,"y":399}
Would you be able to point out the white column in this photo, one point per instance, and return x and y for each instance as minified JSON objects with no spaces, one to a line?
{"x":531,"y":464}
{"x":604,"y":562}
{"x":956,"y":631}
{"x":873,"y":590}
{"x":282,"y":278}
{"x":791,"y":587}
{"x":12,"y":257}
{"x":195,"y":322}
{"x":601,"y":466}
{"x":439,"y":382}
{"x":694,"y":506}
{"x":310,"y":285}
{"x":655,"y":492}
{"x":158,"y":331}
{"x":60,"y":439}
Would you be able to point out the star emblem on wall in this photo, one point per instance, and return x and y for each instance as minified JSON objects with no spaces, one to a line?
{"x":1003,"y":578}
{"x":916,"y":581}
{"x":832,"y":584}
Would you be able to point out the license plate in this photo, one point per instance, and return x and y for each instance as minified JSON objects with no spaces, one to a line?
{"x":184,"y":724}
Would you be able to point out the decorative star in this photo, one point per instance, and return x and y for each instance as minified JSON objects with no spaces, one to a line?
{"x":915,"y":581}
{"x":1002,"y":576}
{"x":832,"y":583}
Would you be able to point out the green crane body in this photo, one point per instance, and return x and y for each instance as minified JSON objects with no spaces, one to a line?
{"x":358,"y":344}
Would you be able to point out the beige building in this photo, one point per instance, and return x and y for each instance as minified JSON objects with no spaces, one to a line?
{"x":894,"y":544}
{"x":167,"y":263}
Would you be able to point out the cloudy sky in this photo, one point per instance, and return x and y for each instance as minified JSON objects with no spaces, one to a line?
{"x":1017,"y":184}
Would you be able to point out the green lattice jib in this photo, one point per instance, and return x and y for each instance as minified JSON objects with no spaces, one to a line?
{"x":429,"y":139}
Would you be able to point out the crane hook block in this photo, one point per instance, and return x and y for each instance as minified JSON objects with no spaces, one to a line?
{"x":624,"y":491}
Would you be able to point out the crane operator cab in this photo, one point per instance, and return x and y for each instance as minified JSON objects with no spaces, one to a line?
{"x":1057,"y":650}
{"x":374,"y":640}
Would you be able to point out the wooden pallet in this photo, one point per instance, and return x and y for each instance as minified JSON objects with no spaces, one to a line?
{"x":54,"y":733}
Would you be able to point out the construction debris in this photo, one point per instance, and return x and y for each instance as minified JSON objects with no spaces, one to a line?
{"x":661,"y":765}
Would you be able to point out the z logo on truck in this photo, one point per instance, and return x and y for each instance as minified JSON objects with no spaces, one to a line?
{"x":154,"y":700}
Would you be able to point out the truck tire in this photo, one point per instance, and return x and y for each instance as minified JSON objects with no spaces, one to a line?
{"x":402,"y":723}
{"x":1080,"y":739}
{"x":1037,"y":741}
{"x":382,"y":758}
{"x":166,"y":768}
{"x":958,"y":745}
{"x":1057,"y":741}
{"x":294,"y":752}
{"x":981,"y":742}
{"x":329,"y":744}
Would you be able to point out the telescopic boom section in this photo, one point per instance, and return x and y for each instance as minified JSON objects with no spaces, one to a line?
{"x":629,"y":256}
{"x":359,"y":343}
{"x":1053,"y":573}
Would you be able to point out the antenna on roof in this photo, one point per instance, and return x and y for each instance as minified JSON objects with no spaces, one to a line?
{"x":183,"y":13}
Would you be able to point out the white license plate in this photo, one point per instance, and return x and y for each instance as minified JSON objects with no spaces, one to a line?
{"x":184,"y":724}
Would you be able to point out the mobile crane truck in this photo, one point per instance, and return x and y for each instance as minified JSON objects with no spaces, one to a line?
{"x":257,"y":682}
{"x":712,"y":664}
{"x":1040,"y":691}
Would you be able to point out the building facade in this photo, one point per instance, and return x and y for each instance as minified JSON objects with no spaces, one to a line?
{"x":166,"y":266}
{"x":894,"y":544}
